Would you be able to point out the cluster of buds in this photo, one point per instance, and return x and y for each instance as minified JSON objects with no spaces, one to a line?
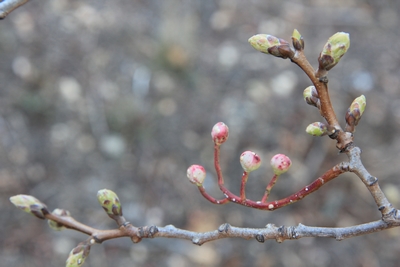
{"x":249,"y":161}
{"x":354,"y":113}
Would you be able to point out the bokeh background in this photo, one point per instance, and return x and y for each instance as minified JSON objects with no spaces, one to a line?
{"x":123,"y":95}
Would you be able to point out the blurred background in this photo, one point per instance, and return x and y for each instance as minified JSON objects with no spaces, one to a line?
{"x":123,"y":95}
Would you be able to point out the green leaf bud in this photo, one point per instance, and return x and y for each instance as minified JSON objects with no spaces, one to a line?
{"x":336,"y":46}
{"x":78,"y":255}
{"x":110,"y":202}
{"x":55,"y":225}
{"x":297,"y":39}
{"x":269,"y":44}
{"x":30,"y":205}
{"x":317,"y":129}
{"x":355,"y":111}
{"x":310,"y":95}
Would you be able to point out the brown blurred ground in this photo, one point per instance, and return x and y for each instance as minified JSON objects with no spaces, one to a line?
{"x":123,"y":95}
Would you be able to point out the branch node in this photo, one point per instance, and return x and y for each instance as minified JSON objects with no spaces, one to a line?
{"x":152,"y":231}
{"x":323,"y":79}
{"x":371,"y":180}
{"x":224,"y":228}
{"x":196,"y":241}
{"x":281,"y":237}
{"x":260,"y":238}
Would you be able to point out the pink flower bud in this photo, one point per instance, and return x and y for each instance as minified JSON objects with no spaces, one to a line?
{"x":220,"y":133}
{"x":250,"y":161}
{"x":280,"y":163}
{"x":196,"y":174}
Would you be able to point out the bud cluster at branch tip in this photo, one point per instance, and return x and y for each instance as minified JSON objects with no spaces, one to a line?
{"x":250,"y":161}
{"x":269,"y":44}
{"x":55,"y":225}
{"x":110,"y":202}
{"x":297,"y":40}
{"x":355,"y":111}
{"x":220,"y":133}
{"x":336,"y":46}
{"x":310,"y":95}
{"x":280,"y":163}
{"x":30,"y":205}
{"x":78,"y":255}
{"x":196,"y":174}
{"x":319,"y":129}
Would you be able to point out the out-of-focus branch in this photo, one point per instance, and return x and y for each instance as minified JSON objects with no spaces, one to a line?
{"x":7,"y":6}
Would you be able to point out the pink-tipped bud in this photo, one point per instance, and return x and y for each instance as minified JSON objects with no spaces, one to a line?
{"x":280,"y":163}
{"x":220,"y":133}
{"x":196,"y":174}
{"x":250,"y":161}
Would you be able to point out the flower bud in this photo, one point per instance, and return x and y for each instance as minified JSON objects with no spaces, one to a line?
{"x":30,"y":205}
{"x":317,"y":129}
{"x":250,"y":161}
{"x":55,"y":225}
{"x":280,"y":163}
{"x":355,"y":111}
{"x":310,"y":95}
{"x":196,"y":174}
{"x":220,"y":133}
{"x":78,"y":255}
{"x":297,"y":39}
{"x":110,"y":202}
{"x":336,"y":46}
{"x":269,"y":44}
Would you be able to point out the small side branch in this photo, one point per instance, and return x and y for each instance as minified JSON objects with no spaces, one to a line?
{"x":7,"y":6}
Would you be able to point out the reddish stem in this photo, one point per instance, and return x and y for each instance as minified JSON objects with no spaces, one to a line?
{"x":245,"y":177}
{"x":210,"y":198}
{"x":269,"y":187}
{"x":229,"y":195}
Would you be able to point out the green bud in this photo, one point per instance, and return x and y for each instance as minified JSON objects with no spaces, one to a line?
{"x":310,"y":95}
{"x":269,"y":44}
{"x":317,"y":129}
{"x":30,"y":205}
{"x":297,"y":39}
{"x":355,"y":111}
{"x":334,"y":49}
{"x":78,"y":255}
{"x":110,"y":202}
{"x":55,"y":225}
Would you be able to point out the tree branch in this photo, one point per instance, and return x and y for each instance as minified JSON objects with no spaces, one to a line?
{"x":279,"y":233}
